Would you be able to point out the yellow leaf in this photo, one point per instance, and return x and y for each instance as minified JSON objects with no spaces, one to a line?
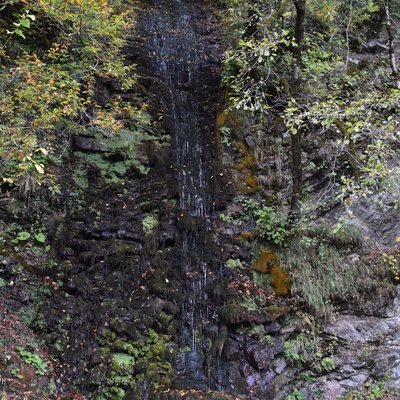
{"x":39,"y":168}
{"x":8,"y":180}
{"x":42,"y":150}
{"x":398,"y":239}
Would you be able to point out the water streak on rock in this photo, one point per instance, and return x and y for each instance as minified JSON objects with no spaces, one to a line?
{"x":174,"y":38}
{"x":178,"y":62}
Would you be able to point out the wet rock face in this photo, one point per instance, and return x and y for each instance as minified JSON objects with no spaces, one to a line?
{"x":144,"y":306}
{"x":177,"y":52}
{"x":137,"y":259}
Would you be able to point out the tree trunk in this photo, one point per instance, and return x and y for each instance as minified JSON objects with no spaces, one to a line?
{"x":299,"y":35}
{"x":297,"y":168}
{"x":391,"y":35}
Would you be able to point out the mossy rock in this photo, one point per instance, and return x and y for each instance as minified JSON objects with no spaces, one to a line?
{"x":252,"y":182}
{"x":274,"y":311}
{"x":280,"y":280}
{"x":150,"y":223}
{"x":233,"y":314}
{"x":117,"y":393}
{"x":122,"y":360}
{"x":267,"y":262}
{"x":120,"y":345}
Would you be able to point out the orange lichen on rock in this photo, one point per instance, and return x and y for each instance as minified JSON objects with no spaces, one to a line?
{"x":247,"y":235}
{"x":280,"y":281}
{"x":267,"y":263}
{"x":266,"y":260}
{"x":244,"y":170}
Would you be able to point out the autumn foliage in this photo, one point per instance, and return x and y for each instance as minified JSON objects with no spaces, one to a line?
{"x":55,"y":54}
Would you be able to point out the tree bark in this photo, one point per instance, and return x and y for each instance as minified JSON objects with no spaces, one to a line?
{"x":297,"y":168}
{"x":391,"y":35}
{"x":299,"y":32}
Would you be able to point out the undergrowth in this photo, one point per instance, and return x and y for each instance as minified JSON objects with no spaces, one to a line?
{"x":331,"y":266}
{"x":372,"y":392}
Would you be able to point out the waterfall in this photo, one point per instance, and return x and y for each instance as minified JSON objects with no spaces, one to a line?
{"x":178,"y":61}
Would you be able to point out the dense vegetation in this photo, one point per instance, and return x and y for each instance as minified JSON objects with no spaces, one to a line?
{"x":322,"y":72}
{"x":313,"y":93}
{"x":58,"y":59}
{"x":316,"y":72}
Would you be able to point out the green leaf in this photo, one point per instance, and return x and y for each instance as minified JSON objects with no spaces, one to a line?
{"x":25,"y":23}
{"x":19,"y":33}
{"x":23,"y":236}
{"x":40,"y":237}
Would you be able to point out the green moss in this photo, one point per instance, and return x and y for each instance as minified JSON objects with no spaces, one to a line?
{"x":110,"y":172}
{"x":150,"y":223}
{"x":249,"y":184}
{"x":120,"y":379}
{"x":107,"y":337}
{"x":262,"y":280}
{"x":265,"y":262}
{"x":80,"y":177}
{"x":120,"y":345}
{"x":281,"y":281}
{"x":113,"y":158}
{"x":268,"y":263}
{"x":122,"y":359}
{"x":117,"y":392}
{"x":252,"y":182}
{"x":275,"y":311}
{"x":246,"y":180}
{"x":257,"y":330}
{"x":150,"y":353}
{"x":234,"y":263}
{"x":30,"y":314}
{"x":105,"y":351}
{"x":164,"y":319}
{"x":249,"y":303}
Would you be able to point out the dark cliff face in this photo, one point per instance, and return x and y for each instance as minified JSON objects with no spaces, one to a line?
{"x":146,"y":305}
{"x":139,"y":260}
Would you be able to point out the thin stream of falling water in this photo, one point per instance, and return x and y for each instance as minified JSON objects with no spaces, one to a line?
{"x":178,"y":64}
{"x":178,"y":59}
